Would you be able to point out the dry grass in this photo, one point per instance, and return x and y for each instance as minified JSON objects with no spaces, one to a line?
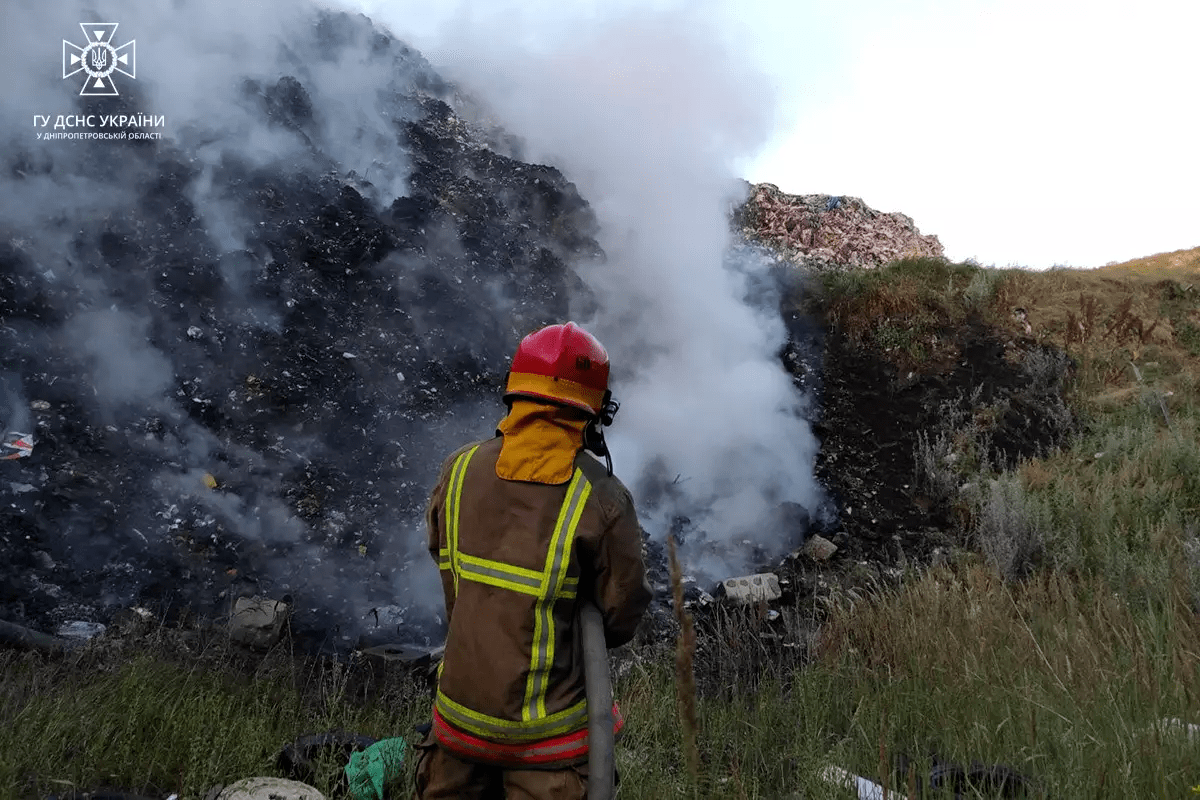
{"x":1180,"y":265}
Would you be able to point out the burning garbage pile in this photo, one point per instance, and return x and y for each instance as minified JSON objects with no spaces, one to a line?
{"x":226,"y":371}
{"x":232,"y":359}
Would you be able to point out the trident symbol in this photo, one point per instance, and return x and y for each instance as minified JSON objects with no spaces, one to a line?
{"x":99,"y":58}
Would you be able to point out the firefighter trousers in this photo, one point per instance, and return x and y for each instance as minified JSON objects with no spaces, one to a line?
{"x":441,"y":776}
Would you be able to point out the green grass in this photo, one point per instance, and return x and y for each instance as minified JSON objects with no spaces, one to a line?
{"x":154,"y":723}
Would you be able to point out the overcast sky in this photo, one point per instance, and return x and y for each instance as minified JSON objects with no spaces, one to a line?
{"x":1029,"y":132}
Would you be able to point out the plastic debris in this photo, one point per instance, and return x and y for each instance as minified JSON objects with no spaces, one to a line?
{"x":210,"y":481}
{"x":867,"y":790}
{"x":1177,"y":727}
{"x":80,"y":631}
{"x":16,"y":445}
{"x":753,"y":588}
{"x":371,"y":769}
{"x":299,"y":759}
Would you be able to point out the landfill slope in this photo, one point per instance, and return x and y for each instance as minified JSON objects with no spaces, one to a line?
{"x":211,"y":422}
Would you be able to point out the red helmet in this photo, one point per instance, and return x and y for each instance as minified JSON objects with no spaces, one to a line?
{"x":561,"y":363}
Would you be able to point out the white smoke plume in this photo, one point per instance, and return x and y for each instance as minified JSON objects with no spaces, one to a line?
{"x":648,"y":114}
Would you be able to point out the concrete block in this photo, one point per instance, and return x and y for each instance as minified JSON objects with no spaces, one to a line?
{"x":818,"y":548}
{"x":258,"y":621}
{"x":763,"y":587}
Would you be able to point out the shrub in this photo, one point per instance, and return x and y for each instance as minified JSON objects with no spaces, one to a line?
{"x":1009,"y":528}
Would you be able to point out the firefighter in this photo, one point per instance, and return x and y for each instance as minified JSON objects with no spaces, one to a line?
{"x":525,"y":526}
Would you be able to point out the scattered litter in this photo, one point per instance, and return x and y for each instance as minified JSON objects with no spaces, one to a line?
{"x":16,"y":445}
{"x":21,"y":488}
{"x":867,"y":790}
{"x":370,"y":770}
{"x":299,"y":759}
{"x":40,"y":405}
{"x":194,"y":332}
{"x":400,"y":377}
{"x":1177,"y":727}
{"x":753,"y":588}
{"x":13,"y":635}
{"x":349,"y":355}
{"x":80,"y":631}
{"x":210,"y":481}
{"x":773,"y":615}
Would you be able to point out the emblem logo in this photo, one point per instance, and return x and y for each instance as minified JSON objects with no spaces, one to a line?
{"x":99,"y":59}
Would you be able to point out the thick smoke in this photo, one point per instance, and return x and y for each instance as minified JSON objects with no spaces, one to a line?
{"x":649,"y":115}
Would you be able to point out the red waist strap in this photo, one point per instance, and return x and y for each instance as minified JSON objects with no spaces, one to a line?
{"x":570,"y":747}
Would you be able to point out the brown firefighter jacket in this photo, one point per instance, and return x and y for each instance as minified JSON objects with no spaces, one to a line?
{"x":516,"y":559}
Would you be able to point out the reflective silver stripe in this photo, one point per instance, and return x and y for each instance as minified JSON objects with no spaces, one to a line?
{"x":505,"y":579}
{"x":557,"y":558}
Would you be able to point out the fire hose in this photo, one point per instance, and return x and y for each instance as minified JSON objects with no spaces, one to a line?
{"x":601,"y":762}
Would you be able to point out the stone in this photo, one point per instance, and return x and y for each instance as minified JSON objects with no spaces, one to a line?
{"x":763,"y":587}
{"x":79,"y":630}
{"x":406,"y":654}
{"x":818,"y":548}
{"x":386,"y":660}
{"x":258,"y":621}
{"x":133,"y":621}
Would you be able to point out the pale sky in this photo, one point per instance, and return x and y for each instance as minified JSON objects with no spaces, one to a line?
{"x":1028,"y":132}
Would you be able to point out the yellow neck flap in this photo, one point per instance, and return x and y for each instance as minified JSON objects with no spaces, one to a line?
{"x":540,"y":443}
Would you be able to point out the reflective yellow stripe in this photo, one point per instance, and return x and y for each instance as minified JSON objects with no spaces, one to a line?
{"x":549,"y":585}
{"x":505,"y":576}
{"x":454,"y":496}
{"x":558,"y":556}
{"x":471,"y":721}
{"x":558,"y":587}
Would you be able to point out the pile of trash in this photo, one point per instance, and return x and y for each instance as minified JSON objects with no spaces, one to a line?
{"x":827,"y":231}
{"x":225,"y":373}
